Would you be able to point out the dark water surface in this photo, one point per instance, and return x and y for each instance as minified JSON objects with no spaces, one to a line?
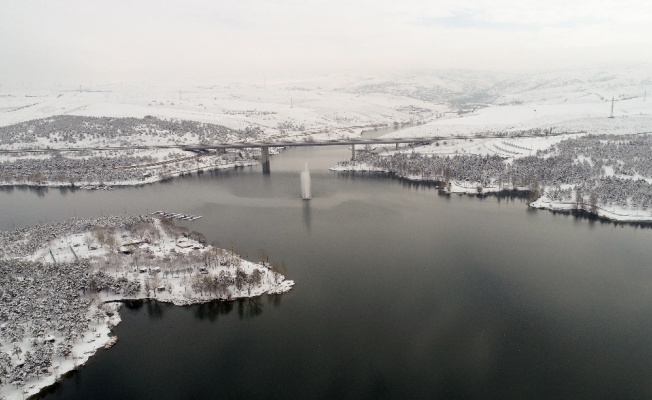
{"x":401,"y":293}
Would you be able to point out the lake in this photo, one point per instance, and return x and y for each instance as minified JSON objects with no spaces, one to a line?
{"x":402,"y":293}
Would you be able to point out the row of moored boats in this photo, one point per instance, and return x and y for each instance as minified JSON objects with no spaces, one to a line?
{"x":185,"y":217}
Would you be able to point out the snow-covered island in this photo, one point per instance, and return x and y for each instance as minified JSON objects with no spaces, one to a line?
{"x":61,"y":286}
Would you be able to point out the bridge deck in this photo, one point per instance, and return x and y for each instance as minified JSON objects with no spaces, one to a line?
{"x":239,"y":145}
{"x":246,"y":145}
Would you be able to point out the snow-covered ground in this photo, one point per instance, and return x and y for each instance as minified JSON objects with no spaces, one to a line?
{"x":566,"y":101}
{"x":136,"y":258}
{"x":455,"y":102}
{"x":156,"y":260}
{"x":279,"y":108}
{"x":613,"y":213}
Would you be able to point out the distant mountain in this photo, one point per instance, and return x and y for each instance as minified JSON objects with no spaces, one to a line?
{"x":458,"y":87}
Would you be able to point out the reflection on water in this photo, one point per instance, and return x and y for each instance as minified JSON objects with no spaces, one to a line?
{"x":274,"y":299}
{"x":249,"y":307}
{"x":307,"y":215}
{"x":211,"y":311}
{"x":154,"y":309}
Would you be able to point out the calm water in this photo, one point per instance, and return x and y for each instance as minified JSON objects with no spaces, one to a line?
{"x":401,"y":293}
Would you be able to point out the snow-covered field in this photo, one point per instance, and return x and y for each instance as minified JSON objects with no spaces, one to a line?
{"x":92,"y":265}
{"x":455,"y":102}
{"x":278,"y":108}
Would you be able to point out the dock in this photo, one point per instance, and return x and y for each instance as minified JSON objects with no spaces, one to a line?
{"x":169,"y":215}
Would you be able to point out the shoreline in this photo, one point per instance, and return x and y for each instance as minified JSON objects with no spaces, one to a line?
{"x":105,"y":338}
{"x":542,"y":203}
{"x":129,"y":183}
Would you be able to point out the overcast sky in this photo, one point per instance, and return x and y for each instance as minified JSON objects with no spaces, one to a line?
{"x":85,"y":41}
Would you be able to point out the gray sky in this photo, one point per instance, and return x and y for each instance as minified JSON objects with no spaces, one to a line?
{"x":75,"y":41}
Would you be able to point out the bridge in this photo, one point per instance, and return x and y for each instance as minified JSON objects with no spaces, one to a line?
{"x":264,"y":146}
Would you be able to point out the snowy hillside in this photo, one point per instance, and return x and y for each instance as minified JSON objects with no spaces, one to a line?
{"x":464,"y":101}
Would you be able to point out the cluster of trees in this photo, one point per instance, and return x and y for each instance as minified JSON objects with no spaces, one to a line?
{"x":434,"y":94}
{"x":98,"y":170}
{"x":426,"y":167}
{"x":39,"y":300}
{"x":217,"y":272}
{"x":100,"y":281}
{"x":220,"y":284}
{"x":249,"y":113}
{"x":625,"y":154}
{"x":69,"y":130}
{"x":72,"y":170}
{"x":25,"y":241}
{"x":607,"y":168}
{"x":290,"y":126}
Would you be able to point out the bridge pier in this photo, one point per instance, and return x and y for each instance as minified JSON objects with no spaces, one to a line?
{"x":352,"y":152}
{"x":264,"y":159}
{"x":396,"y":146}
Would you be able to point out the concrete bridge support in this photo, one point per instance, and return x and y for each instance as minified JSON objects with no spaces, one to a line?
{"x":352,"y":152}
{"x":264,"y":159}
